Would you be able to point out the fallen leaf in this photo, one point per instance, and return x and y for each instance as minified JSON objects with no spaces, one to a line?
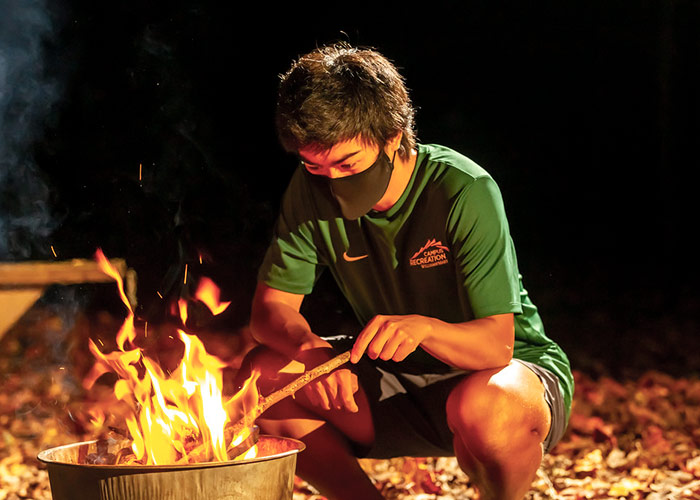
{"x":624,"y":487}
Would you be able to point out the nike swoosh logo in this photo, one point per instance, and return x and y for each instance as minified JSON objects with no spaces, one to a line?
{"x":353,"y":259}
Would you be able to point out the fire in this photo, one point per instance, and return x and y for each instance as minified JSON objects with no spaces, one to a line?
{"x":172,"y":414}
{"x":208,"y":293}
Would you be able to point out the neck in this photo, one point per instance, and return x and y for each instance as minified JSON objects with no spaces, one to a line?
{"x":400,"y":176}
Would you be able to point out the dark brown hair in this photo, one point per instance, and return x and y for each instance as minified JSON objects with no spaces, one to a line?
{"x":339,"y":92}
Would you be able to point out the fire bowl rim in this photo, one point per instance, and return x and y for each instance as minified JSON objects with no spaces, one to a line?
{"x":299,"y":446}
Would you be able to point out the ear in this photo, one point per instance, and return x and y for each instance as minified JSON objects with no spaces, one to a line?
{"x":393,"y":144}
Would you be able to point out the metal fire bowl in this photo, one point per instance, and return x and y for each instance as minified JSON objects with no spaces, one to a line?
{"x":270,"y":476}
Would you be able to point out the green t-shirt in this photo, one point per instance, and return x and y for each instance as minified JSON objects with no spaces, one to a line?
{"x":443,"y":250}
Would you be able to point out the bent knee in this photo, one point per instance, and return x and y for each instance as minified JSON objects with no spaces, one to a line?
{"x":497,"y":411}
{"x":478,"y":410}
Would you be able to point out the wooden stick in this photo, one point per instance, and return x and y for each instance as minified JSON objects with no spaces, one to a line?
{"x":302,"y":380}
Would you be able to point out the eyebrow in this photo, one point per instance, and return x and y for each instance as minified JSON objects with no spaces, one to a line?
{"x":339,"y":160}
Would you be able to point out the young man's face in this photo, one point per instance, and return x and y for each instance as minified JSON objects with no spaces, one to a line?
{"x":343,"y":159}
{"x":358,"y":173}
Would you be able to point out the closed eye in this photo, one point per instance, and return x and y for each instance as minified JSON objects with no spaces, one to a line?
{"x":315,"y":169}
{"x":308,"y":166}
{"x":340,"y":163}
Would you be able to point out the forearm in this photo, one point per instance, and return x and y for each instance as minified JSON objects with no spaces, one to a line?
{"x":282,"y":327}
{"x":473,"y":345}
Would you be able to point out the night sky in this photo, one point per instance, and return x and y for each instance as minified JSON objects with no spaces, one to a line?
{"x":586,"y":113}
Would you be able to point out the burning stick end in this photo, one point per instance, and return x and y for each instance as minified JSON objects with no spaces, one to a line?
{"x":235,"y":451}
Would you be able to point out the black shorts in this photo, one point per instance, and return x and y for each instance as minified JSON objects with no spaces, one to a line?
{"x":409,"y":413}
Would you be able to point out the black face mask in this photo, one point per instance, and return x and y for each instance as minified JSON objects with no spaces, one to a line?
{"x":357,"y":194}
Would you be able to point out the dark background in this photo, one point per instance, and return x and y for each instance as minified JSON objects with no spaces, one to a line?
{"x":585,"y":112}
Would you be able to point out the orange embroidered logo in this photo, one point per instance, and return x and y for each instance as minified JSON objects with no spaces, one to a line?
{"x":432,"y":254}
{"x":353,"y":259}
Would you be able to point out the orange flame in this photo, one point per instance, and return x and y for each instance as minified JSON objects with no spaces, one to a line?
{"x":208,"y":293}
{"x":182,"y":306}
{"x":127,"y":331}
{"x":170,"y":414}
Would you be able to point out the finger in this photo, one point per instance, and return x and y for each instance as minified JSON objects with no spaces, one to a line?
{"x":330,"y":385}
{"x":311,"y":396}
{"x":384,"y":334}
{"x":355,"y":383}
{"x":364,"y":338}
{"x":392,"y":344}
{"x":348,"y":387}
{"x":407,"y":347}
{"x":321,"y":398}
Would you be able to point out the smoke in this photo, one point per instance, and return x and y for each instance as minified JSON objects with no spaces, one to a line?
{"x":27,"y":95}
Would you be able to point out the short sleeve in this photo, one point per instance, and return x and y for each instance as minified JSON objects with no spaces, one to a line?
{"x":291,"y":263}
{"x":483,"y":249}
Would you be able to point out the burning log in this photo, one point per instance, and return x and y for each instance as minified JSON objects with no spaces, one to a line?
{"x":122,"y":454}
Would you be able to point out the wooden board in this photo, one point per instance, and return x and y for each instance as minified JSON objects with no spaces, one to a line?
{"x":14,"y":303}
{"x":51,"y":273}
{"x":22,"y":283}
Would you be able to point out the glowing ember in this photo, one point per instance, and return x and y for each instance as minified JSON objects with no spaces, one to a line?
{"x":170,"y":415}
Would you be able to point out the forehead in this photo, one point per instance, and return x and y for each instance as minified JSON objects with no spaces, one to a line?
{"x":338,"y":152}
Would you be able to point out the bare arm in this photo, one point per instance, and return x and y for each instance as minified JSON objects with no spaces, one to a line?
{"x":276,"y":322}
{"x":473,"y":345}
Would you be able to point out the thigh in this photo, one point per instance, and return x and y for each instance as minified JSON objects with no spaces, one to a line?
{"x":555,"y":400}
{"x":408,"y":410}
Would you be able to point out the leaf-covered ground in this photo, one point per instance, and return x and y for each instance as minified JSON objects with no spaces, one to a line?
{"x":633,"y":439}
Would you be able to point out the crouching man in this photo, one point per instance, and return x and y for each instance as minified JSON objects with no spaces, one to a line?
{"x":450,"y":358}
